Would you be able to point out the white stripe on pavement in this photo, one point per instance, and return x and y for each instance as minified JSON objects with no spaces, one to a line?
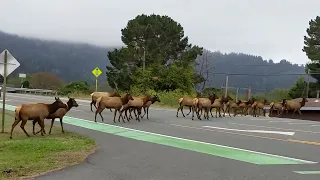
{"x":256,"y":131}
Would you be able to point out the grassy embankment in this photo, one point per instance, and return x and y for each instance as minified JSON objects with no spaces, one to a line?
{"x":28,"y":157}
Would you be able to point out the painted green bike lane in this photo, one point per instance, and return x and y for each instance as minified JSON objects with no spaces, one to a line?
{"x":243,"y":155}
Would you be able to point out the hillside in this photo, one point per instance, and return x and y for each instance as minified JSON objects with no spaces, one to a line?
{"x":69,"y":61}
{"x":244,"y":66}
{"x":75,"y":61}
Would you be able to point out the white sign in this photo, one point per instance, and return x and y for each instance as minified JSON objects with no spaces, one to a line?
{"x":12,"y":63}
{"x":22,"y":75}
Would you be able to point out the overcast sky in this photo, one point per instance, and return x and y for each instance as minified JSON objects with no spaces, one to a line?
{"x":270,"y":28}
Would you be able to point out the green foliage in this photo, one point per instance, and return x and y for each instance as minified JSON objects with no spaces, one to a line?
{"x":75,"y":87}
{"x":312,"y":46}
{"x":211,"y":90}
{"x":26,"y":84}
{"x":168,"y":56}
{"x":298,"y":89}
{"x":279,"y":94}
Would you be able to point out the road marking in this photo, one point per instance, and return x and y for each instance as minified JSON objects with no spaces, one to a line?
{"x":243,"y":155}
{"x":276,"y":128}
{"x":316,"y":125}
{"x":304,"y":142}
{"x":300,"y":123}
{"x":307,"y":172}
{"x":256,"y":131}
{"x":279,"y":121}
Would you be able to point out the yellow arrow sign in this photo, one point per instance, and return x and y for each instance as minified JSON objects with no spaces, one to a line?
{"x":96,"y":72}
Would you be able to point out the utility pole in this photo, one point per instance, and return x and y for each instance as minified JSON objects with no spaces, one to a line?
{"x":308,"y":82}
{"x":144,"y":59}
{"x":226,"y":93}
{"x":237,"y":95}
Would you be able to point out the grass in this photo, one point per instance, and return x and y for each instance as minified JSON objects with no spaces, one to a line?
{"x":23,"y":157}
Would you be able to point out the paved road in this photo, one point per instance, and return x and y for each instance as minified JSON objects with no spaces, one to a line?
{"x":240,"y":148}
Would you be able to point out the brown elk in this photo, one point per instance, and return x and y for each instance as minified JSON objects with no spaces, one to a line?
{"x":279,"y":106}
{"x":259,"y":106}
{"x":96,"y":95}
{"x":136,"y":104}
{"x":60,"y":113}
{"x":112,"y":103}
{"x":203,"y":103}
{"x":219,"y":104}
{"x":295,"y":105}
{"x":146,"y":106}
{"x":186,"y":101}
{"x":37,"y":111}
{"x":234,"y":106}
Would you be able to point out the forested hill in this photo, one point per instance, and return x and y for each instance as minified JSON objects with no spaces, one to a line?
{"x":241,"y":64}
{"x":75,"y":61}
{"x":69,"y":61}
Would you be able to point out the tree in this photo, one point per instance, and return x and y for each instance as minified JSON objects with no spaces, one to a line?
{"x":45,"y":80}
{"x":162,"y":41}
{"x":312,"y":46}
{"x":298,"y":89}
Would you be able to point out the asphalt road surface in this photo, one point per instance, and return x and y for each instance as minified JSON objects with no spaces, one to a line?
{"x":169,"y":148}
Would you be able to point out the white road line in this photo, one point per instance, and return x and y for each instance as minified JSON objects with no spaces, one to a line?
{"x":301,"y":123}
{"x":250,"y":125}
{"x":256,"y":131}
{"x":316,"y":125}
{"x":280,"y":121}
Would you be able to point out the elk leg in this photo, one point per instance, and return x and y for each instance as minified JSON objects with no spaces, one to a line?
{"x":114,"y":116}
{"x":148,"y":113}
{"x":61,"y":125}
{"x":182,"y":111}
{"x":120,"y":115}
{"x":42,"y":126}
{"x":110,"y":109}
{"x":24,"y":122}
{"x":52,"y":122}
{"x":189,"y":111}
{"x":92,"y":102}
{"x":99,"y":110}
{"x":13,"y":126}
{"x":299,"y":112}
{"x":178,"y":110}
{"x":33,"y":125}
{"x":211,"y":111}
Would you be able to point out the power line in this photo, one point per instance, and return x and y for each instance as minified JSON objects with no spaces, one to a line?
{"x":245,"y":74}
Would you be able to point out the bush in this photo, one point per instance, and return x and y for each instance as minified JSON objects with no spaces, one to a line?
{"x":80,"y":87}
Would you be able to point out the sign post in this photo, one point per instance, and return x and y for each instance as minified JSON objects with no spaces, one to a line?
{"x":6,"y":59}
{"x":96,"y":72}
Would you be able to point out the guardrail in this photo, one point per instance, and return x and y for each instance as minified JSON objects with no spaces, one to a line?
{"x":30,"y":91}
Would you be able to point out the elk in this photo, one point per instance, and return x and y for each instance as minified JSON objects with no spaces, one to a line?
{"x":186,"y":102}
{"x":219,"y":104}
{"x":96,"y":95}
{"x":259,"y":106}
{"x":203,"y":103}
{"x":137,"y":103}
{"x":112,"y":103}
{"x":279,"y":106}
{"x":295,"y":106}
{"x":60,"y":113}
{"x":37,"y":111}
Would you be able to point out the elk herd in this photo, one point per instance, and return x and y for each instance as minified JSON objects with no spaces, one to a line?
{"x":38,"y":112}
{"x":252,"y":106}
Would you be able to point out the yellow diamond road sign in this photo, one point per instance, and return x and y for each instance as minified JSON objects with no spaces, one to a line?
{"x":96,"y":72}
